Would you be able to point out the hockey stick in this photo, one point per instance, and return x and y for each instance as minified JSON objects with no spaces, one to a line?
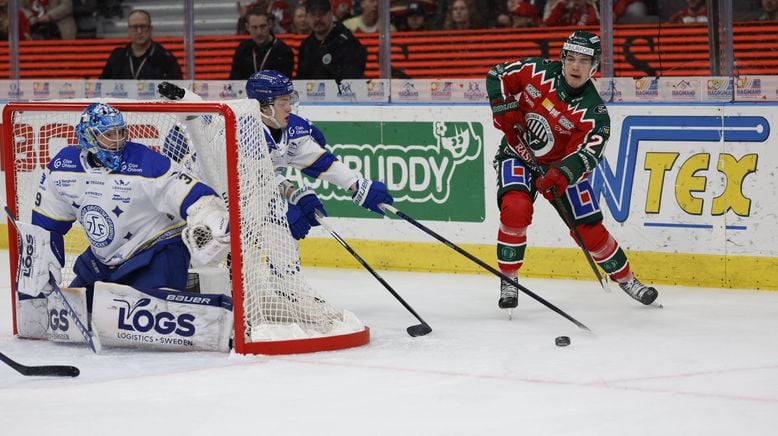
{"x":91,"y":340}
{"x":560,"y":208}
{"x":43,"y":370}
{"x":484,"y":265}
{"x":414,"y":330}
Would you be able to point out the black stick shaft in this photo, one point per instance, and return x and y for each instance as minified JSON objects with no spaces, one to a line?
{"x":484,"y":265}
{"x":419,"y":330}
{"x":44,"y":370}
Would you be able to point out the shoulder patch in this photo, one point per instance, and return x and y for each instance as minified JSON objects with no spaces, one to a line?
{"x":600,"y":109}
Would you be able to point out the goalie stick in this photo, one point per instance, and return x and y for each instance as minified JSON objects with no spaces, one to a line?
{"x":91,"y":340}
{"x":529,"y":157}
{"x":42,"y":370}
{"x":414,"y":330}
{"x":484,"y":265}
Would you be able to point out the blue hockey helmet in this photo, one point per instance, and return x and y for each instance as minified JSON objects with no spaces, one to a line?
{"x":103,"y":132}
{"x":267,"y":85}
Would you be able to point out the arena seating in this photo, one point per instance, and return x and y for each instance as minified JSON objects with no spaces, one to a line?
{"x":640,"y":50}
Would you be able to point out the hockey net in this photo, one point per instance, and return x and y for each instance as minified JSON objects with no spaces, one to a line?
{"x":222,"y":143}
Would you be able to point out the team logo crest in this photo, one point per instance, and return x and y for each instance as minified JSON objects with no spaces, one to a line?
{"x":98,"y":226}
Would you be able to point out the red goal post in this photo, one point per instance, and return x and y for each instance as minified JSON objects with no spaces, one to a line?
{"x":276,"y":311}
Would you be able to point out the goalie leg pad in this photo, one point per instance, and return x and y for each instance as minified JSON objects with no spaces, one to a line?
{"x":31,"y":316}
{"x":123,"y":316}
{"x":61,"y":327}
{"x":41,"y":253}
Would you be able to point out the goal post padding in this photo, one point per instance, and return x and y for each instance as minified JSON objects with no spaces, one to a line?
{"x":222,"y":143}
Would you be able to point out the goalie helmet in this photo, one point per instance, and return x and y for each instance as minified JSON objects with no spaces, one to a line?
{"x":267,"y":85}
{"x":586,"y":43}
{"x":102,"y":131}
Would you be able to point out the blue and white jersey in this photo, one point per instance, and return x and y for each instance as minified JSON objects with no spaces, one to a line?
{"x":123,"y":211}
{"x":299,"y":148}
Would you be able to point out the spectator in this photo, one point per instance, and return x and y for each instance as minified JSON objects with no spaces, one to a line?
{"x":341,"y":10}
{"x":142,"y":58}
{"x":462,"y":15}
{"x":769,"y":10}
{"x":263,"y":51}
{"x":367,"y":21}
{"x":331,"y":51}
{"x":504,"y":18}
{"x":697,"y":12}
{"x":629,"y":8}
{"x":300,"y":24}
{"x":574,"y":13}
{"x":414,"y":18}
{"x":525,"y":14}
{"x":24,"y":27}
{"x":50,"y":19}
{"x":240,"y":28}
{"x":282,"y":16}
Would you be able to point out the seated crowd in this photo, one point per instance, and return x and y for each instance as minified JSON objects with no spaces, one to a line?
{"x":54,"y":19}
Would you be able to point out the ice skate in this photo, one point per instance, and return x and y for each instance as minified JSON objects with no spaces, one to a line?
{"x":509,"y":297}
{"x":639,"y":291}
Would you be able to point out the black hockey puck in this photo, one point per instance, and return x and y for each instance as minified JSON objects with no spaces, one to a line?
{"x":562,"y":341}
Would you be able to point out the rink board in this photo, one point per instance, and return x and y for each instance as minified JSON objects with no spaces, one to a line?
{"x":687,"y":190}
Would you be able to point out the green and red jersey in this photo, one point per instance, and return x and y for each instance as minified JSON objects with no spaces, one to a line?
{"x":561,"y":125}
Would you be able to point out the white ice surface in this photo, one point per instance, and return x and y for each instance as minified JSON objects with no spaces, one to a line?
{"x":706,"y":364}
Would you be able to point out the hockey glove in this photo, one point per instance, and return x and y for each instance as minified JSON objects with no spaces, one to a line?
{"x":370,"y":194}
{"x":553,"y":184}
{"x":171,"y":91}
{"x":298,"y":223}
{"x":41,"y":253}
{"x":506,"y":115}
{"x":207,"y":232}
{"x":305,"y":198}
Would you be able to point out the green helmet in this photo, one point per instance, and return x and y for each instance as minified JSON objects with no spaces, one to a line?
{"x":585,"y":43}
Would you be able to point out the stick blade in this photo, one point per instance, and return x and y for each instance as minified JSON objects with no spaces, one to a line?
{"x":419,"y":330}
{"x":54,"y":371}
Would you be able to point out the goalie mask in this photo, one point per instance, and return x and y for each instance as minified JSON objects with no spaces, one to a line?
{"x":268,"y":87}
{"x":103,"y":132}
{"x":585,"y":43}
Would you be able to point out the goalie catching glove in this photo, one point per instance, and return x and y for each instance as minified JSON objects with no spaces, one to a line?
{"x":207,"y":234}
{"x":41,"y":256}
{"x":370,"y":194}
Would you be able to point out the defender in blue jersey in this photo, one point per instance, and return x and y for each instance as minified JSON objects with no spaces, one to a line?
{"x":133,"y":204}
{"x":295,"y":142}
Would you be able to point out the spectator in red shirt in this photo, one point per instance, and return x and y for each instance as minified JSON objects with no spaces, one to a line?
{"x":24,"y":26}
{"x":341,"y":10}
{"x":526,"y":15}
{"x":629,"y":8}
{"x":574,"y":13}
{"x":697,"y":12}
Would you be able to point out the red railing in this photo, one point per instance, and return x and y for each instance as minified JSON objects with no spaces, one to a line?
{"x":639,"y":50}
